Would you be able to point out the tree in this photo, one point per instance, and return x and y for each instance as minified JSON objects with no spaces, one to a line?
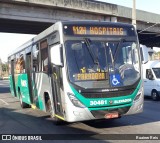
{"x":5,"y":67}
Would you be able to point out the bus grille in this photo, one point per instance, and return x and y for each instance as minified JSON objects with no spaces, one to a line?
{"x":107,"y":94}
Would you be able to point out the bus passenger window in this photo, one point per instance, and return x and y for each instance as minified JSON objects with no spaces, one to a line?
{"x":22,"y":64}
{"x":17,"y":66}
{"x":9,"y":66}
{"x":44,"y":55}
{"x":36,"y":58}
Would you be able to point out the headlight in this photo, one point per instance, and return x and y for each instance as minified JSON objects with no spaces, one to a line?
{"x":139,"y":94}
{"x":75,"y":101}
{"x":137,"y":97}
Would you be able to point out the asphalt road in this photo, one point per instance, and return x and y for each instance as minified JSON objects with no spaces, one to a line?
{"x":14,"y":120}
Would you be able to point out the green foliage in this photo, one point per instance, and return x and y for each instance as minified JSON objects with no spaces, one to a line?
{"x":4,"y":67}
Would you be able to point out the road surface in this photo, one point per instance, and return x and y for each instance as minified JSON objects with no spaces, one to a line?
{"x":14,"y":120}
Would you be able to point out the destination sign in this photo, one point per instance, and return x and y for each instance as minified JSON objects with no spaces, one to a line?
{"x":90,"y":76}
{"x":98,"y":30}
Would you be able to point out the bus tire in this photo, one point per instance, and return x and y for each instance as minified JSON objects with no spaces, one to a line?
{"x":49,"y":107}
{"x":155,"y":95}
{"x":23,"y":104}
{"x":56,"y":120}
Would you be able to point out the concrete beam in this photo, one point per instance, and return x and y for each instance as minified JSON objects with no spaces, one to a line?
{"x":90,"y":6}
{"x":42,"y":14}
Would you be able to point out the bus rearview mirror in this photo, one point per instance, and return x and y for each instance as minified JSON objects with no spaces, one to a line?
{"x":56,"y":55}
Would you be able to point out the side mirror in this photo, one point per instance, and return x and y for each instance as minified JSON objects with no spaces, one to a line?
{"x":56,"y":55}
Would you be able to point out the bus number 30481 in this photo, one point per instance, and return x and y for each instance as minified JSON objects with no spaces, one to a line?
{"x":99,"y":102}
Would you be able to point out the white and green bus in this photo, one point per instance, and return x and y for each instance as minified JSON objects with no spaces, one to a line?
{"x":80,"y":70}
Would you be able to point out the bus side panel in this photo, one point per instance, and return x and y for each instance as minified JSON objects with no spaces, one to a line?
{"x":22,"y":84}
{"x":38,"y":100}
{"x":41,"y":84}
{"x":11,"y":85}
{"x":16,"y":84}
{"x":45,"y":87}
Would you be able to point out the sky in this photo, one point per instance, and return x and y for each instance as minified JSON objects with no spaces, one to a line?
{"x":146,"y":5}
{"x":11,"y":41}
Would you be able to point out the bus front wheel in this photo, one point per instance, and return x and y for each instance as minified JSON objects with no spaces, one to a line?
{"x":56,"y":120}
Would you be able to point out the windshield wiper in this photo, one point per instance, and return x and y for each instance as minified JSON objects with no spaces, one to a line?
{"x":117,"y":48}
{"x":115,"y":53}
{"x":92,"y":54}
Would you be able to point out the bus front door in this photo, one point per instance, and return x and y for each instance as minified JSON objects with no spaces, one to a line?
{"x":29,"y":74}
{"x":12,"y":79}
{"x":57,"y":86}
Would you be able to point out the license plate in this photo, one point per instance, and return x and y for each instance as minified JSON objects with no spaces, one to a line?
{"x":111,"y":115}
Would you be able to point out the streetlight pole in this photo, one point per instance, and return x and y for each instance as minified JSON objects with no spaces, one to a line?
{"x":134,"y":13}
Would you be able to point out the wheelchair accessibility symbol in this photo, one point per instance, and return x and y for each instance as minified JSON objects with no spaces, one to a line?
{"x":115,"y":79}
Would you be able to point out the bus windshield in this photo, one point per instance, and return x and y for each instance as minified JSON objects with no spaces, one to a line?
{"x":102,"y":64}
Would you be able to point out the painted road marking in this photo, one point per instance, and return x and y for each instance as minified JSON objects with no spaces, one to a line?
{"x":4,"y":102}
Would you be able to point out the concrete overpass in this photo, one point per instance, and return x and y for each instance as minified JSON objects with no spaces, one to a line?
{"x":33,"y":16}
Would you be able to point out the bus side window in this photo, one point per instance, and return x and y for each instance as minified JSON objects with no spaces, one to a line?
{"x":9,"y":65}
{"x":17,"y":64}
{"x":36,"y":58}
{"x":44,"y":55}
{"x":22,"y":64}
